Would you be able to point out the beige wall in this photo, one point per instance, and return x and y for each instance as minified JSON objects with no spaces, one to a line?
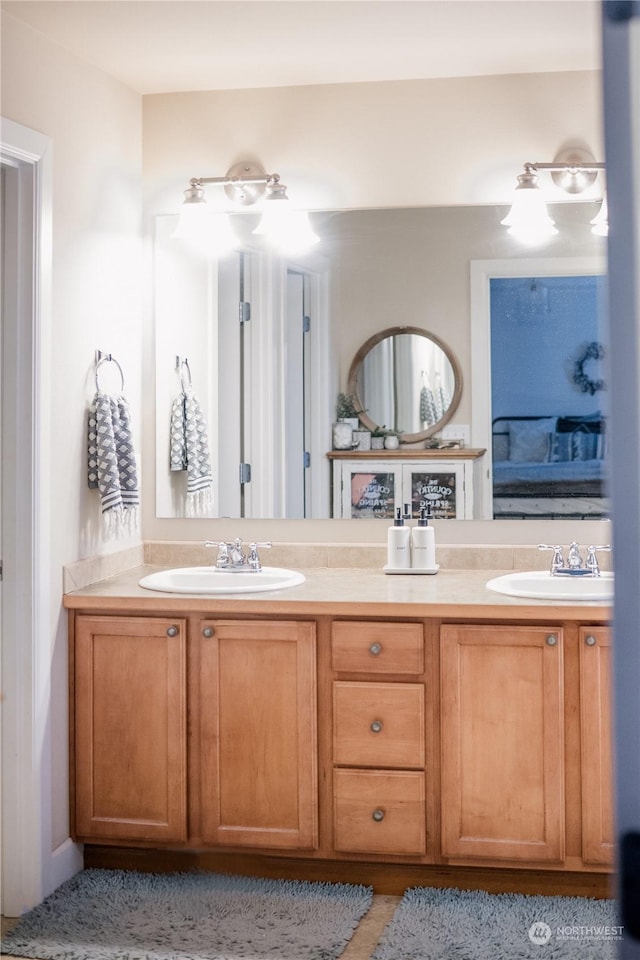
{"x":95,"y":125}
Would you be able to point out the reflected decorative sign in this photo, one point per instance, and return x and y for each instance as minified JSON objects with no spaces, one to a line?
{"x":435,"y":492}
{"x":372,"y":495}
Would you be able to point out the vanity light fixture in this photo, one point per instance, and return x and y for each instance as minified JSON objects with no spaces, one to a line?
{"x":245,"y":183}
{"x":573,"y":170}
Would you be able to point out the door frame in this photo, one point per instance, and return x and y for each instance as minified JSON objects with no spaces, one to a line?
{"x":27,"y":857}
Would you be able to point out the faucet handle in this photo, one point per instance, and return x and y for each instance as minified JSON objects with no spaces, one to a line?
{"x":592,"y":559}
{"x":557,"y":561}
{"x":252,"y":558}
{"x":222,"y":560}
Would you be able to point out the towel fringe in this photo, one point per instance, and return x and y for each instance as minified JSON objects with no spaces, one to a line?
{"x":199,"y":503}
{"x":120,"y":522}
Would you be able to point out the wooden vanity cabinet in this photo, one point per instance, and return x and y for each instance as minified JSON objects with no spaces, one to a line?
{"x":258,"y":754}
{"x":596,"y":751}
{"x":129,"y":729}
{"x":502,"y":742}
{"x":456,"y":743}
{"x":379,"y":732}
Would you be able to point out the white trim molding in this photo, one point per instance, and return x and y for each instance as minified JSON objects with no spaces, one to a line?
{"x":30,"y":869}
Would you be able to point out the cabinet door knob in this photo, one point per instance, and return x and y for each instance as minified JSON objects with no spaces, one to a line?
{"x":378,"y":816}
{"x":552,"y":640}
{"x":207,"y":632}
{"x":590,"y":640}
{"x":376,"y":726}
{"x":375,"y":649}
{"x":172,"y":631}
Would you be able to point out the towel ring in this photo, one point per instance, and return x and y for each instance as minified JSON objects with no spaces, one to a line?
{"x":107,"y":358}
{"x":180,"y":365}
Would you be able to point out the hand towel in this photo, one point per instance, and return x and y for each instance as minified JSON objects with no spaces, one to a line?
{"x":189,"y":450}
{"x":112,"y":463}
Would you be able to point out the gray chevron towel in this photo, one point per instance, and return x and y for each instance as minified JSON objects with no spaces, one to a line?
{"x":112,"y":463}
{"x":189,"y":450}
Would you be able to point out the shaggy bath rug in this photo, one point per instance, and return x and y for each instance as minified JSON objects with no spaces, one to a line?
{"x":431,"y":924}
{"x":121,"y":915}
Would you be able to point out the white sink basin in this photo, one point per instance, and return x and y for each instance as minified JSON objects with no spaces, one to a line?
{"x":208,"y":580}
{"x":540,"y":585}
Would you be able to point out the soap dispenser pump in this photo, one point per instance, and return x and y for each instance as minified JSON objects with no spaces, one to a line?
{"x":423,"y":544}
{"x":399,"y":544}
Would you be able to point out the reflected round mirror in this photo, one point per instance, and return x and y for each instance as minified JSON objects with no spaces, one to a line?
{"x":407,"y":380}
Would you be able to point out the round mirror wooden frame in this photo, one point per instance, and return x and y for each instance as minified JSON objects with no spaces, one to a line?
{"x":355,"y":370}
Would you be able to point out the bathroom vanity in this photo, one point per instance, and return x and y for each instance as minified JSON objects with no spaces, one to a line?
{"x":354,"y":726}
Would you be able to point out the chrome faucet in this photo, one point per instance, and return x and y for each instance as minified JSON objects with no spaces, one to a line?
{"x":232,"y":557}
{"x":575,"y":566}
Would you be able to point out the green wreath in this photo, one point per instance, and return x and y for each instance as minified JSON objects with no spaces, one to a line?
{"x":594,"y":351}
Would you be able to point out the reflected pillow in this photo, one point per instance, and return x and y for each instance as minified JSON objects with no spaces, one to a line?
{"x":580,"y":444}
{"x":530,"y":440}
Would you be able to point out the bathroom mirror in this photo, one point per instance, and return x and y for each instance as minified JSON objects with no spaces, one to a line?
{"x":374,"y":270}
{"x":405,"y":379}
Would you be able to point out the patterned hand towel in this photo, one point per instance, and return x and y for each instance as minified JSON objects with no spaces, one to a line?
{"x":189,"y":450}
{"x":112,"y":463}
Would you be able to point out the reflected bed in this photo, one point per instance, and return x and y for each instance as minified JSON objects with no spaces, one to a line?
{"x":549,"y":467}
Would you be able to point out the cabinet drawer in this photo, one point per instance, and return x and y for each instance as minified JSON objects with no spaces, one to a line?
{"x":378,"y":724}
{"x":379,"y":811}
{"x":361,"y":647}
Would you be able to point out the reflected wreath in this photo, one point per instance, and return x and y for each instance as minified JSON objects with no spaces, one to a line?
{"x":594,"y":351}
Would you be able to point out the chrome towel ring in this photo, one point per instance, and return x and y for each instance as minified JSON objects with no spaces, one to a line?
{"x":102,"y":358}
{"x":181,"y":364}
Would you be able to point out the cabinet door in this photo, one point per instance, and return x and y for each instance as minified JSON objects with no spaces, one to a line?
{"x":130,"y":728}
{"x":258,"y":725}
{"x":441,"y":487}
{"x":502,"y":743}
{"x":598,"y":840}
{"x":368,"y":489}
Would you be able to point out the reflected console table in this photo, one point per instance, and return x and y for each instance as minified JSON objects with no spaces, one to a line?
{"x":372,"y":484}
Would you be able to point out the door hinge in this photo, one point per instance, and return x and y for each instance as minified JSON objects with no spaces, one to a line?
{"x":0,"y":569}
{"x":306,"y":459}
{"x":306,"y":324}
{"x":245,"y":311}
{"x":245,"y":473}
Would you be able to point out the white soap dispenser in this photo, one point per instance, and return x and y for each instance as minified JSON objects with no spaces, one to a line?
{"x":423,"y":545}
{"x":398,"y":544}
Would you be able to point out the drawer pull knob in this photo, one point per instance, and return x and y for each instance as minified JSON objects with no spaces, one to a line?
{"x":590,"y":640}
{"x":375,"y":649}
{"x":376,"y":726}
{"x":378,"y":816}
{"x":552,"y":640}
{"x":172,"y":631}
{"x":207,"y":632}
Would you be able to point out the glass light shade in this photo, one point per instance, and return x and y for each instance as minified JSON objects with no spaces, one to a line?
{"x":287,"y":229}
{"x":208,"y":234}
{"x":528,"y":220}
{"x":600,"y":223}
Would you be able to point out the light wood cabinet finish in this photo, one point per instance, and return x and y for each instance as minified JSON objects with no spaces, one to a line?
{"x":598,"y":838}
{"x":258,"y":733}
{"x":502,"y":757}
{"x":481,"y":743}
{"x":130,"y":728}
{"x":379,"y":811}
{"x":377,"y":647}
{"x":378,"y":724}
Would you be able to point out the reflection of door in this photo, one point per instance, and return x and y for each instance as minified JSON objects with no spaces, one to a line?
{"x":296,"y":385}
